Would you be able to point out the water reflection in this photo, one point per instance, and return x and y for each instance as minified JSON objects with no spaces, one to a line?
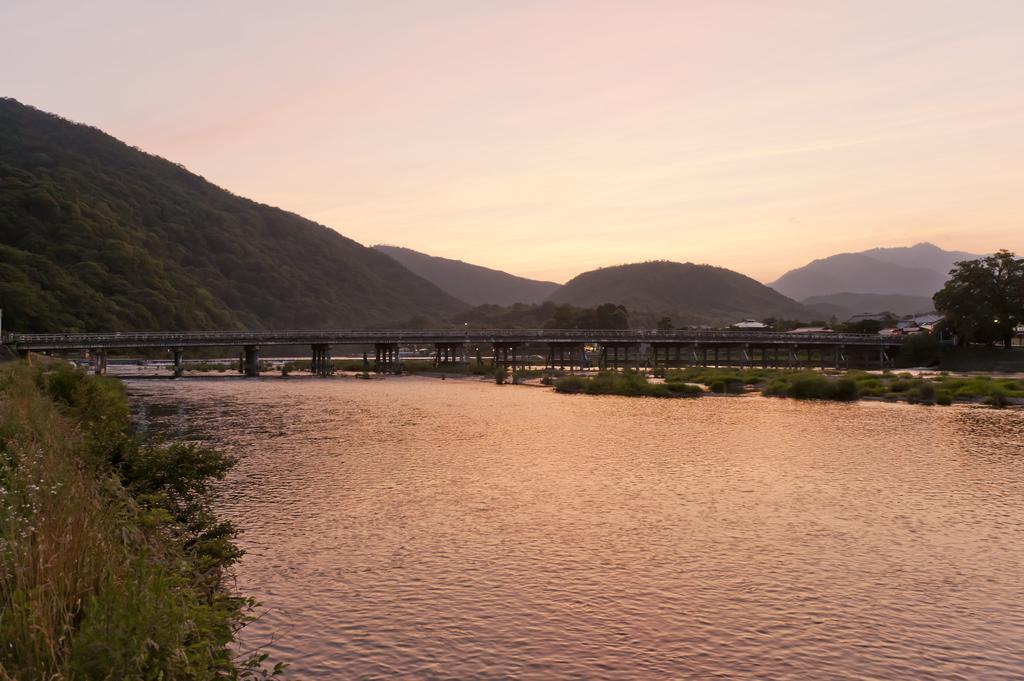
{"x":461,"y":529}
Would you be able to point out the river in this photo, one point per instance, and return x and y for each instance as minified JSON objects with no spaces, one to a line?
{"x":458,"y":529}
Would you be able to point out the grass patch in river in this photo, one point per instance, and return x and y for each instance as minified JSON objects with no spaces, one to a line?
{"x":852,"y":385}
{"x":630,"y":383}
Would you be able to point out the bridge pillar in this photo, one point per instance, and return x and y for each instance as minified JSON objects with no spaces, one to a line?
{"x":507,"y":355}
{"x":322,"y":364}
{"x":179,"y":362}
{"x":387,"y":358}
{"x":99,"y":362}
{"x":449,"y":353}
{"x":618,"y":354}
{"x":562,"y":355}
{"x":252,"y":360}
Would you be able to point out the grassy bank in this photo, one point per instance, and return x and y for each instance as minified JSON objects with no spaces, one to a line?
{"x":628,"y":383}
{"x":112,"y":564}
{"x":851,"y":385}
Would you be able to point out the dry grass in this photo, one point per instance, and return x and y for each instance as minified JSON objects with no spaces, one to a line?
{"x":95,"y":583}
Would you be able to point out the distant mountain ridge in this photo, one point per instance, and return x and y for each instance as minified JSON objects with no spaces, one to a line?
{"x":96,"y":235}
{"x":690,"y":294}
{"x":470,"y":283}
{"x":845,"y":305}
{"x":918,"y":270}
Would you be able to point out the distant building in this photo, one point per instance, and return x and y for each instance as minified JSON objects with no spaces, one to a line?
{"x":928,"y":320}
{"x":811,"y":329}
{"x":749,"y":324}
{"x":880,"y":317}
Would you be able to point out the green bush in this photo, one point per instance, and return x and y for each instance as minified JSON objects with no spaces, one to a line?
{"x":926,"y":392}
{"x":997,"y":398}
{"x":843,"y":390}
{"x":900,"y":386}
{"x":121,"y":575}
{"x":806,"y":386}
{"x":627,"y":383}
{"x":570,"y":384}
{"x":684,"y":389}
{"x":735,"y":385}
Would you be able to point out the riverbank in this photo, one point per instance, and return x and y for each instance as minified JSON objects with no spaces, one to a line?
{"x":112,"y":563}
{"x":938,"y":389}
{"x":923,"y":386}
{"x":941,"y":388}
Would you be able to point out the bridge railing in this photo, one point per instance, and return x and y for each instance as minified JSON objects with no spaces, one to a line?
{"x":282,"y":337}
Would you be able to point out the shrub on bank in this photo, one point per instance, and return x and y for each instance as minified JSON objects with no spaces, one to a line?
{"x":570,"y":384}
{"x":806,"y":386}
{"x":684,"y":389}
{"x":997,"y":398}
{"x":852,"y":385}
{"x":627,"y":383}
{"x":923,"y":393}
{"x":112,"y":562}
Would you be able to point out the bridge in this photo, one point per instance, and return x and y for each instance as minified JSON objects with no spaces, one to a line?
{"x":560,"y":348}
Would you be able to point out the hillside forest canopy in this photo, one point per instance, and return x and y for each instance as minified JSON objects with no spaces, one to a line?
{"x":96,"y":235}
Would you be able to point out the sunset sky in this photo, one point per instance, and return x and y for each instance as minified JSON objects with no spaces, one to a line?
{"x":548,"y":138}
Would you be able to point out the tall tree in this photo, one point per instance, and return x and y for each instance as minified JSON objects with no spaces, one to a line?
{"x":984,"y":299}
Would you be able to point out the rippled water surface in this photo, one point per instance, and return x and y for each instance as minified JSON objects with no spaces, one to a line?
{"x":428,"y":528}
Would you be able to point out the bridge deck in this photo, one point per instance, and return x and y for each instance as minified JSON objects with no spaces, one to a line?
{"x":139,"y":340}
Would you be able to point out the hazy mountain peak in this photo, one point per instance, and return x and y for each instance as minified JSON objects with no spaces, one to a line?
{"x":918,"y":270}
{"x":473,"y":284}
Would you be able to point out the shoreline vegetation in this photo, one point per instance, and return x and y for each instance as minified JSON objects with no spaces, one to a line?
{"x":845,"y":386}
{"x":940,"y":388}
{"x":626,"y":383}
{"x":112,"y":562}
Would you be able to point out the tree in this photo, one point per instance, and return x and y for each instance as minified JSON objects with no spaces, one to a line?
{"x":665,"y":324}
{"x":984,"y":299}
{"x":606,"y":316}
{"x":886,"y":320}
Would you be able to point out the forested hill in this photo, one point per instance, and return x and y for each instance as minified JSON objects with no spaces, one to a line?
{"x":688,"y":293}
{"x":472,"y":283}
{"x":96,"y":235}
